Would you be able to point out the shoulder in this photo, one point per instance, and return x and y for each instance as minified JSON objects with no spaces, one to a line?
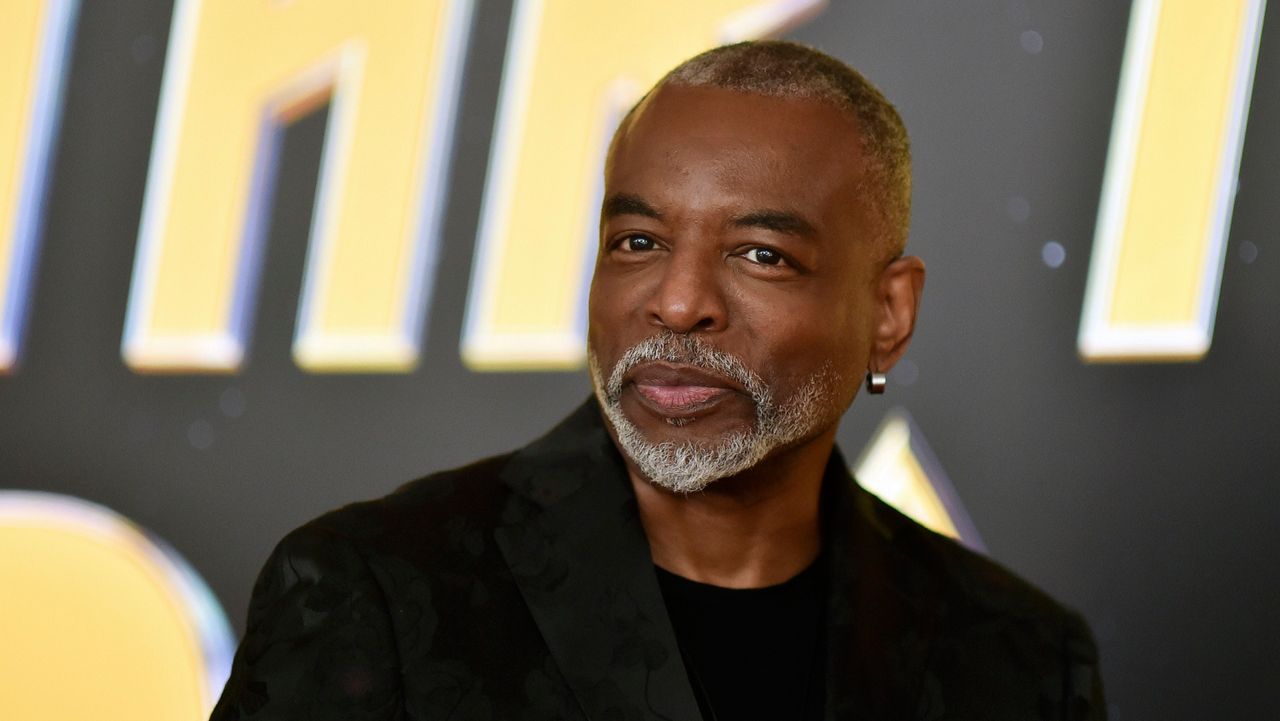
{"x":473,"y":494}
{"x":347,"y":594}
{"x":968,"y":581}
{"x":993,"y":628}
{"x":428,"y":518}
{"x":344,"y":543}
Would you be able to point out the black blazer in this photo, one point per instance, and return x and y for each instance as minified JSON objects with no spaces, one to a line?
{"x":521,"y":587}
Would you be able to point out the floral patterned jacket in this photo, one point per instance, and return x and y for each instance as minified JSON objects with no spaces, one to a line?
{"x":521,"y":587}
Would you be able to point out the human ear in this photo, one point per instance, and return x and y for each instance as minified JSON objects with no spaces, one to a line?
{"x":897,"y":299}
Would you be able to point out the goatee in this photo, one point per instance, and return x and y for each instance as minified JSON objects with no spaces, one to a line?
{"x":689,"y":466}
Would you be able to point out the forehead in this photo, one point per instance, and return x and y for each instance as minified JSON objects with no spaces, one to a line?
{"x":790,"y":150}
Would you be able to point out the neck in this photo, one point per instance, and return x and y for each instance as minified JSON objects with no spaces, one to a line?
{"x":756,"y":529}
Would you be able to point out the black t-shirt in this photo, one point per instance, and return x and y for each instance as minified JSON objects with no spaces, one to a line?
{"x":752,"y":653}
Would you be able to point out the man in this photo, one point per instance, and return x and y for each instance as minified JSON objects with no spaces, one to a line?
{"x":688,"y":544}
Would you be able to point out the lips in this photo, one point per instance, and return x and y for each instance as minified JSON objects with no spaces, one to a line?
{"x":677,"y":390}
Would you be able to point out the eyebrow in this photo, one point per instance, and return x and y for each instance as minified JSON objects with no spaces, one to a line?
{"x":628,"y":204}
{"x":779,"y":221}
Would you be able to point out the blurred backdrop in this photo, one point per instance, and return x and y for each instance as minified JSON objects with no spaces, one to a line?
{"x":264,"y":259}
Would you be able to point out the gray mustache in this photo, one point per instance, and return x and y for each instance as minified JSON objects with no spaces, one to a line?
{"x":690,"y":350}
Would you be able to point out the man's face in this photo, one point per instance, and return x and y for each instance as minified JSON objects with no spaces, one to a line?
{"x":732,"y":302}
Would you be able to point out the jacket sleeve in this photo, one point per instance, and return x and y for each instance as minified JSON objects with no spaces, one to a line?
{"x":319,"y":643}
{"x":1082,"y":688}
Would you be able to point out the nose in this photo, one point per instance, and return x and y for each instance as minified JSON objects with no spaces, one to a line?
{"x":689,"y":296}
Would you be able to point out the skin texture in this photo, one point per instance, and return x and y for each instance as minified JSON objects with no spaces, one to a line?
{"x":739,"y":218}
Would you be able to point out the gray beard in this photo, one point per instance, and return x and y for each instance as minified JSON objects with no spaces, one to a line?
{"x":689,"y":466}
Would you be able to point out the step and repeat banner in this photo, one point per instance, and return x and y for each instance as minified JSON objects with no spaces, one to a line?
{"x":260,"y":259}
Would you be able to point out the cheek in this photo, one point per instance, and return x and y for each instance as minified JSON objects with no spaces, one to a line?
{"x":793,"y":335}
{"x":615,"y":294}
{"x":606,"y":302}
{"x":612,"y":313}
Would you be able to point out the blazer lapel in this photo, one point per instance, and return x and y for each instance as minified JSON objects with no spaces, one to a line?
{"x":882,"y":610}
{"x":572,"y":538}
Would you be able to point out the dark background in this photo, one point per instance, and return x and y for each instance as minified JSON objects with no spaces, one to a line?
{"x":1143,"y":494}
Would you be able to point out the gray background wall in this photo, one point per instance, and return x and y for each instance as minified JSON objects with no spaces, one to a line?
{"x":1144,"y":495}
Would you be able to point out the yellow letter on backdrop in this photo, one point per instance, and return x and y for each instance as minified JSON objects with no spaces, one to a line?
{"x":34,"y":43}
{"x":573,"y":67}
{"x":237,"y":70}
{"x":1170,"y":183}
{"x":100,"y":621}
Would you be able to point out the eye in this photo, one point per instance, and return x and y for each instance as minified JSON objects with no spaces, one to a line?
{"x":763,"y":256}
{"x":637,"y":243}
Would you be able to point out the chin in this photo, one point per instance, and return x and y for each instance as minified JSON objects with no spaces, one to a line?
{"x":686,"y":458}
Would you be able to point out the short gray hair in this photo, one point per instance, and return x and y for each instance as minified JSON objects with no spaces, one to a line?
{"x":781,"y":69}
